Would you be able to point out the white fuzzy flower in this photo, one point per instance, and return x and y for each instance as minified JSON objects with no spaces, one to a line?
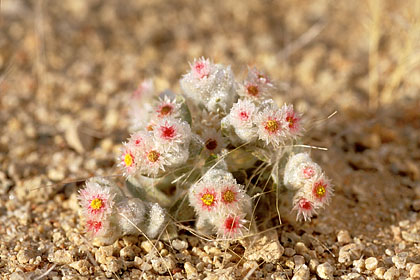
{"x":271,"y":126}
{"x":171,"y":133}
{"x":97,"y":199}
{"x":211,"y":85}
{"x":299,"y":169}
{"x":212,"y":140}
{"x":305,"y":208}
{"x":168,"y":107}
{"x":292,"y":120}
{"x":230,"y":225}
{"x":319,"y":189}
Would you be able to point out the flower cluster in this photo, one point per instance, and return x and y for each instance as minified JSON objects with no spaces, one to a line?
{"x":219,"y":200}
{"x":313,"y":189}
{"x":204,"y":144}
{"x":110,"y":214}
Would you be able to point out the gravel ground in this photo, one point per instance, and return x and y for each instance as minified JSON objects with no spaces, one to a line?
{"x":67,"y":68}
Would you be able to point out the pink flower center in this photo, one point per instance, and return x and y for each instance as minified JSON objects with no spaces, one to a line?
{"x":243,"y":115}
{"x":292,"y":120}
{"x":168,"y":132}
{"x":308,"y":172}
{"x":305,"y":204}
{"x":201,"y":69}
{"x":94,"y":226}
{"x":231,"y":224}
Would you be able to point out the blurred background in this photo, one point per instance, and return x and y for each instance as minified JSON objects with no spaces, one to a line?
{"x":68,"y":67}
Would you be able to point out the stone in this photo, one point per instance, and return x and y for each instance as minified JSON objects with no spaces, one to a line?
{"x":411,"y":237}
{"x":190,"y":270}
{"x":415,"y":271}
{"x":343,"y":237}
{"x":298,"y":261}
{"x":371,"y":263}
{"x":265,"y":248}
{"x":313,"y":264}
{"x":179,"y":245}
{"x":289,"y":252}
{"x":163,"y":265}
{"x":400,"y":260}
{"x":359,"y":265}
{"x":379,"y":272}
{"x":103,"y":253}
{"x":62,"y":257}
{"x":77,"y":139}
{"x":325,"y":271}
{"x":82,"y":266}
{"x":349,"y":252}
{"x":129,"y":252}
{"x":24,"y":256}
{"x":302,"y":273}
{"x":416,"y":205}
{"x":391,"y":273}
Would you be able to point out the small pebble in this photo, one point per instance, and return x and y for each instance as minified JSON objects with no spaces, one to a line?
{"x":349,"y":252}
{"x":325,"y":271}
{"x":400,"y":260}
{"x":415,"y":271}
{"x":190,"y":270}
{"x":379,"y":272}
{"x":82,"y":266}
{"x":343,"y":237}
{"x":62,"y":257}
{"x":391,"y":273}
{"x":302,"y":273}
{"x":289,"y":252}
{"x":179,"y":245}
{"x":371,"y":263}
{"x":359,"y":265}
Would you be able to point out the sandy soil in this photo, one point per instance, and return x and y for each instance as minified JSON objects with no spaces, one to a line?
{"x":68,"y":67}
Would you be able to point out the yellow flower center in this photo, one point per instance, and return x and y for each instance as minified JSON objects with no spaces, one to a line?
{"x":252,"y":90}
{"x":128,"y":159}
{"x":165,"y":110}
{"x":96,"y":204}
{"x":207,"y":199}
{"x":229,"y":196}
{"x":320,"y":190}
{"x":272,"y":126}
{"x":153,"y":156}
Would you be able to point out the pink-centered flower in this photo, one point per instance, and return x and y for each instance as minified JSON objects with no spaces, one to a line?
{"x":230,"y":225}
{"x":304,"y":207}
{"x":201,"y":68}
{"x":204,"y":198}
{"x":292,"y":120}
{"x":242,"y":113}
{"x":170,"y":132}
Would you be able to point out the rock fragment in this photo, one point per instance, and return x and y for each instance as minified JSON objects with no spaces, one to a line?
{"x":371,"y":263}
{"x":302,"y":273}
{"x":82,"y":266}
{"x":415,"y":271}
{"x":190,"y":270}
{"x":325,"y":271}
{"x":349,"y":252}
{"x":267,"y":248}
{"x":343,"y":237}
